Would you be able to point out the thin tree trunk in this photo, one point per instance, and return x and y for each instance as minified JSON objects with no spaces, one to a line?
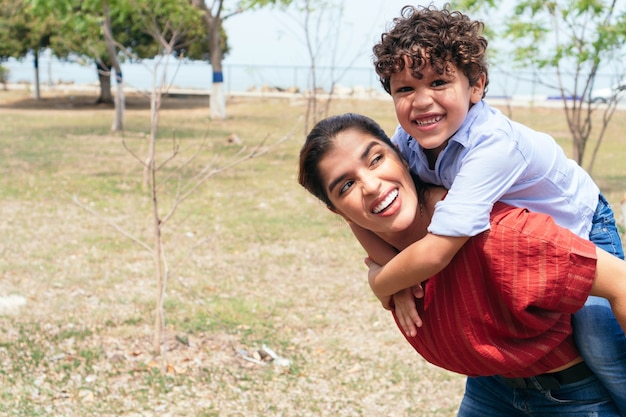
{"x":218,"y":95}
{"x":120,"y":104}
{"x":37,"y":93}
{"x":159,"y":259}
{"x":217,"y":102}
{"x":104,"y":77}
{"x":118,"y":122}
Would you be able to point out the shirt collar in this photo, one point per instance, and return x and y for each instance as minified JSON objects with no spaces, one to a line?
{"x":462,"y":135}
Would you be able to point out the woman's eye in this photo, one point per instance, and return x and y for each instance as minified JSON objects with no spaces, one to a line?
{"x":345,"y":187}
{"x":376,"y":159}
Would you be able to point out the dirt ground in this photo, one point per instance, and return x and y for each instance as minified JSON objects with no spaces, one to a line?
{"x":79,"y":340}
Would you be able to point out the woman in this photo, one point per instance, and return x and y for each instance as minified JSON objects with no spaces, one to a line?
{"x":501,"y":311}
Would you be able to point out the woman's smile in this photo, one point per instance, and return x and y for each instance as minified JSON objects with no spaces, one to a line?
{"x":387,"y":201}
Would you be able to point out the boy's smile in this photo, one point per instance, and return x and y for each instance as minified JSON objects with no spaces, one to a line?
{"x":433,"y":108}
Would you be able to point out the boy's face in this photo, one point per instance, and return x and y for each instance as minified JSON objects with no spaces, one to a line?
{"x":433,"y":108}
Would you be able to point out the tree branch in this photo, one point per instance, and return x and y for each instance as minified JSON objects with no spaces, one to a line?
{"x":112,"y":224}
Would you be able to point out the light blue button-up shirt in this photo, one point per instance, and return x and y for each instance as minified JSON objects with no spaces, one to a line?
{"x":492,"y":158}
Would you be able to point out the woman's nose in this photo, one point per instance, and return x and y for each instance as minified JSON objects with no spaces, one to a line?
{"x":370,"y":184}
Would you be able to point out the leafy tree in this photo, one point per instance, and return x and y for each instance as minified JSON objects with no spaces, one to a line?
{"x":81,"y":33}
{"x":110,"y":31}
{"x":4,"y":76}
{"x":575,"y":38}
{"x":20,"y":34}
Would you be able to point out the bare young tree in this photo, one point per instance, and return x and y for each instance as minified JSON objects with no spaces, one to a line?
{"x":168,"y":33}
{"x":320,"y":21}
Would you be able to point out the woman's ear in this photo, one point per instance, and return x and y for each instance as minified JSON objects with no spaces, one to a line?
{"x":334,"y":210}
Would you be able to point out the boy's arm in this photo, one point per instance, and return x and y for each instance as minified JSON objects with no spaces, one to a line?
{"x":415,"y":264}
{"x":377,"y":250}
{"x":380,"y":252}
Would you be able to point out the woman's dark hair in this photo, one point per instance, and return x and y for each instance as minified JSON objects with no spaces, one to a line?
{"x":427,"y":35}
{"x":321,"y":141}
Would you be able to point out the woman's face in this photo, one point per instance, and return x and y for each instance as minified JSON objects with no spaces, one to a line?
{"x":368,"y":183}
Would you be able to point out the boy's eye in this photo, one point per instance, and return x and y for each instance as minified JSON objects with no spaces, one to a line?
{"x":401,"y":90}
{"x":439,"y":83}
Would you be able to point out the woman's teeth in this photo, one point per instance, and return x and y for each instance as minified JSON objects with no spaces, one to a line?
{"x":386,"y":202}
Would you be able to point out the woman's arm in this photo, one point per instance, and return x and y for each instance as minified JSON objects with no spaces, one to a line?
{"x":377,"y":249}
{"x":610,"y":283}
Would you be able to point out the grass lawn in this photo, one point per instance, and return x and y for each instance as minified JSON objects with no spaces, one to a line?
{"x":256,"y":266}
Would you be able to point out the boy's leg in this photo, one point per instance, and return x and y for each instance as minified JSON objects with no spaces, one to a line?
{"x":598,"y":335}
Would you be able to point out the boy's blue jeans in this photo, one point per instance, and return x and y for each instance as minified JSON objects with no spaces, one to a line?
{"x":598,"y":335}
{"x":601,"y":343}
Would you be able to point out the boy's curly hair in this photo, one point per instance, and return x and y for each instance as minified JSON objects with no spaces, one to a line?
{"x":427,"y":35}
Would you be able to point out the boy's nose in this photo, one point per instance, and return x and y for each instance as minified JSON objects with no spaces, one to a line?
{"x":421,"y":99}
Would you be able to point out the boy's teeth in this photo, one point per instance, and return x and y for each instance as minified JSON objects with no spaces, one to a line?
{"x":428,"y":122}
{"x":385,"y":203}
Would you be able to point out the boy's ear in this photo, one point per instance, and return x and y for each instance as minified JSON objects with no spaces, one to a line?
{"x":478,"y":89}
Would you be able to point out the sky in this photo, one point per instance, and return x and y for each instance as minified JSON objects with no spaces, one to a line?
{"x":263,"y":40}
{"x":272,"y":37}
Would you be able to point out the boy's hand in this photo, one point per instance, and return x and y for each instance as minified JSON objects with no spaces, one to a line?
{"x":403,"y":301}
{"x":374,"y":270}
{"x":406,"y":312}
{"x":385,"y":300}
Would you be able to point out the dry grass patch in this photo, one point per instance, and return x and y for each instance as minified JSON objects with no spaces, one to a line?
{"x":254,"y":262}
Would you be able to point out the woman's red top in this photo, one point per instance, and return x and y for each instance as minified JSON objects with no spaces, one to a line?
{"x":503,"y":305}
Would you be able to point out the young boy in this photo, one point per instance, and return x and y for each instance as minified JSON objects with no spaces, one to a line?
{"x":433,"y":64}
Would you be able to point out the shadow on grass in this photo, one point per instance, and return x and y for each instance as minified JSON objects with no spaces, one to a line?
{"x":85,"y":101}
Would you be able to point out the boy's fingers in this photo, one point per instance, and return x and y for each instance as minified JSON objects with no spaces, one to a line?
{"x":418,"y":291}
